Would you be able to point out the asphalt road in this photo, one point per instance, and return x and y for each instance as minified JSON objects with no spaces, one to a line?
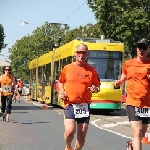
{"x":33,"y":128}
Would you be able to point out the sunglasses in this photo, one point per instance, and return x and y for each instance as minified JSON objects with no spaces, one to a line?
{"x":7,"y":69}
{"x":142,"y":47}
{"x":81,"y":52}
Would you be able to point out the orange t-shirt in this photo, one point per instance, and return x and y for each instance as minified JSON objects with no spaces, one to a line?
{"x":138,"y":85}
{"x":6,"y":84}
{"x":77,"y":80}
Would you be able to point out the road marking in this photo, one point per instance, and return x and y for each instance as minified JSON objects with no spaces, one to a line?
{"x":115,"y":124}
{"x":41,"y":105}
{"x":37,"y":104}
{"x":123,"y":122}
{"x":94,"y":124}
{"x":113,"y":118}
{"x":110,"y":125}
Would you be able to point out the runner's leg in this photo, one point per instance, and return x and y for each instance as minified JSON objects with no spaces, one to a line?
{"x":8,"y":107}
{"x":136,"y":127}
{"x":3,"y":106}
{"x":81,"y":134}
{"x":70,"y":129}
{"x":70,"y":126}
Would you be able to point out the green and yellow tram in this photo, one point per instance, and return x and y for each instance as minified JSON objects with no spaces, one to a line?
{"x":106,"y":55}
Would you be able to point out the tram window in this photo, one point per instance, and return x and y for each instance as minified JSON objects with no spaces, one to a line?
{"x":31,"y":74}
{"x":47,"y":74}
{"x":40,"y":75}
{"x":56,"y":72}
{"x":64,"y":62}
{"x":69,"y":60}
{"x":74,"y":58}
{"x":34,"y":74}
{"x":60,"y":65}
{"x":43,"y":75}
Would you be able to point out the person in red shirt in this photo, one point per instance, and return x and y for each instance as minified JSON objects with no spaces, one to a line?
{"x":20,"y":87}
{"x":136,"y":73}
{"x":77,"y":82}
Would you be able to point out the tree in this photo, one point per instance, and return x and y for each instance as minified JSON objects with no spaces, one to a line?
{"x":123,"y":20}
{"x":87,"y":31}
{"x":32,"y":46}
{"x":2,"y":36}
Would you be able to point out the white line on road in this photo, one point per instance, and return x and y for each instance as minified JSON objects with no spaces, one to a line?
{"x":115,"y":124}
{"x":41,"y":105}
{"x":113,"y":118}
{"x":37,"y":104}
{"x":94,"y":124}
{"x":110,"y":125}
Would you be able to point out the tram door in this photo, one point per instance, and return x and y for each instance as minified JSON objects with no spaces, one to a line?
{"x":55,"y":83}
{"x":32,"y":83}
{"x":43,"y":82}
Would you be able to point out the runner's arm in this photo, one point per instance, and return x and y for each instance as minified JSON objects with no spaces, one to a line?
{"x":95,"y":82}
{"x":123,"y":75}
{"x":121,"y":80}
{"x":61,"y":87}
{"x":13,"y":84}
{"x":62,"y":80}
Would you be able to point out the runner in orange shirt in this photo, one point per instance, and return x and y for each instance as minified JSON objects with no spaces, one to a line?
{"x":81,"y":80}
{"x":7,"y":84}
{"x":136,"y":73}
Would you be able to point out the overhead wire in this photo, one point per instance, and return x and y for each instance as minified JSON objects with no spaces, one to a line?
{"x":24,"y":22}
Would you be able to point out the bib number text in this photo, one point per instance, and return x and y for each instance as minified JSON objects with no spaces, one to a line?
{"x":142,"y":112}
{"x":81,"y":110}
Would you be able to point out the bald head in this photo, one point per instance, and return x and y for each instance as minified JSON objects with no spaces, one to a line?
{"x":82,"y":45}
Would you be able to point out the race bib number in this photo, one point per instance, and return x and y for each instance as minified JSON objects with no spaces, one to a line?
{"x":142,"y":112}
{"x":19,"y":89}
{"x":81,"y":110}
{"x":7,"y":88}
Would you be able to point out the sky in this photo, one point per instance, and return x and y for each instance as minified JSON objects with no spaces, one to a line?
{"x":36,"y":13}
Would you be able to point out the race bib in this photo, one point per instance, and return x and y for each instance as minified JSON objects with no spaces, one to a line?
{"x":142,"y":112}
{"x":7,"y":88}
{"x":19,"y":89}
{"x":81,"y":110}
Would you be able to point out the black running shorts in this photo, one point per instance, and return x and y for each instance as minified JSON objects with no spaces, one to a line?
{"x":69,"y":114}
{"x":133,"y":117}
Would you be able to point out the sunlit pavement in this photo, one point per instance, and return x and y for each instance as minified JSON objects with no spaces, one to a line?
{"x":33,"y":128}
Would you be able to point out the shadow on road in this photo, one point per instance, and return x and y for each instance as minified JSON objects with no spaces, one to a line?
{"x":26,"y":107}
{"x":33,"y":122}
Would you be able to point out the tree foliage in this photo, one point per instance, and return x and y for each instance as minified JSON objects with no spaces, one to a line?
{"x":41,"y":41}
{"x":123,"y":20}
{"x":87,"y":31}
{"x":2,"y":36}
